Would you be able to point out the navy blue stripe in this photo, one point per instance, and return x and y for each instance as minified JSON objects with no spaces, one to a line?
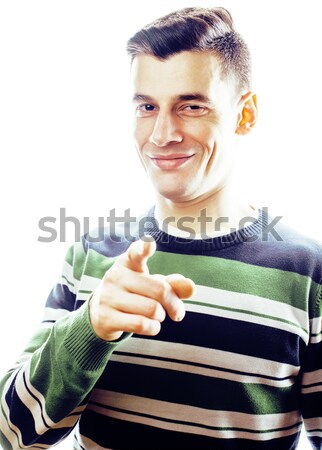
{"x":313,"y":357}
{"x":54,"y":436}
{"x":233,"y":336}
{"x":61,"y":297}
{"x":196,"y":390}
{"x":124,"y":435}
{"x":299,"y":256}
{"x":32,"y":395}
{"x":316,"y":442}
{"x":21,"y":417}
{"x":312,"y":405}
{"x":15,"y":433}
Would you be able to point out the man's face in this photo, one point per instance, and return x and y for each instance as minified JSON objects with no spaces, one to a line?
{"x":185,"y":123}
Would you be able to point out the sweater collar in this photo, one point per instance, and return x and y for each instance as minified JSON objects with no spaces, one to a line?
{"x":176,"y":244}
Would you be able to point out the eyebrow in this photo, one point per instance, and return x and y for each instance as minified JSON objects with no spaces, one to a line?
{"x":183,"y":97}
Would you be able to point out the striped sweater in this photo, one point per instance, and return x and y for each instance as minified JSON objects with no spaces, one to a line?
{"x":241,"y":371}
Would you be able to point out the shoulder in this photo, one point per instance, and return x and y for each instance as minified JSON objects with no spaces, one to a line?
{"x":296,"y":249}
{"x":114,"y":239}
{"x":289,"y":236}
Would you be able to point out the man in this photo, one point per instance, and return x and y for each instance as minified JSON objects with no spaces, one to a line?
{"x":238,"y":364}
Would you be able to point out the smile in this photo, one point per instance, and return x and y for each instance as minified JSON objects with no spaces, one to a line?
{"x":170,"y":162}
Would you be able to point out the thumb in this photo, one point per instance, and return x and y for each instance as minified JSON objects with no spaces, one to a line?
{"x":138,"y":253}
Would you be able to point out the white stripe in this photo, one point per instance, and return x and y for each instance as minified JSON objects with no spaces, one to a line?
{"x":195,"y":429}
{"x":312,"y":377}
{"x":315,"y":339}
{"x":313,"y":423}
{"x":37,"y":409}
{"x":193,"y":414}
{"x":11,"y":432}
{"x":5,"y":419}
{"x":314,"y":433}
{"x":316,"y":327}
{"x":203,"y":371}
{"x":83,"y":296}
{"x":253,"y":304}
{"x":207,"y":356}
{"x":78,"y":410}
{"x":89,"y":283}
{"x":31,"y":403}
{"x":311,"y":390}
{"x":54,"y":313}
{"x":68,"y":272}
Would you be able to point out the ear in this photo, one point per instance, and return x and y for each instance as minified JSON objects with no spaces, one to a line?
{"x":248,"y":113}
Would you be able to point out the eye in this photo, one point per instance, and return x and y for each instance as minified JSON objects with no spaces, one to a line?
{"x":145,"y":109}
{"x":193,"y":110}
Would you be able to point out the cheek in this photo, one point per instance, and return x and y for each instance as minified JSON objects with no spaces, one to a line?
{"x":202,"y":132}
{"x":141,"y":131}
{"x":136,"y":132}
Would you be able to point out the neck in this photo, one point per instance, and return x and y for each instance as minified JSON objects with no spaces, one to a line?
{"x":221,"y":210}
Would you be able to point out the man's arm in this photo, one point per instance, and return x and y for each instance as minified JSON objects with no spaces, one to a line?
{"x":45,"y":394}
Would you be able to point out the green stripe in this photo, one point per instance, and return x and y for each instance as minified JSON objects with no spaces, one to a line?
{"x":275,"y":284}
{"x":79,"y":260}
{"x":70,"y":255}
{"x":4,"y":443}
{"x":97,"y":264}
{"x":317,"y":303}
{"x":60,"y":369}
{"x":251,"y":313}
{"x":37,"y":340}
{"x":67,"y":281}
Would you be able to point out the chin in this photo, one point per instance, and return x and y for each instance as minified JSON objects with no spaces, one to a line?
{"x":176,"y":194}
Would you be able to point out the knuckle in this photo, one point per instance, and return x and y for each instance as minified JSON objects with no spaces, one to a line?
{"x":139,"y":325}
{"x":113,"y":274}
{"x":152,"y":308}
{"x":142,"y":325}
{"x":161,"y":289}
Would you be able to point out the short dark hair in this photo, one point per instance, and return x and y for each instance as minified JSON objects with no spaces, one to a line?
{"x":196,"y":29}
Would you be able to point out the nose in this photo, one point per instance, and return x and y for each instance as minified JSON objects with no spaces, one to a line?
{"x":166,"y":130}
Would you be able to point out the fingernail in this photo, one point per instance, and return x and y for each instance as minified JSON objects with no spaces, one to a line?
{"x":179,"y":317}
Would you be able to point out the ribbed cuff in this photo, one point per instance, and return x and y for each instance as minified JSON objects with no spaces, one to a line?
{"x":81,"y":341}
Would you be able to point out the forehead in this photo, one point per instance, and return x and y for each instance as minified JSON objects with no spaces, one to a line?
{"x":181,"y":73}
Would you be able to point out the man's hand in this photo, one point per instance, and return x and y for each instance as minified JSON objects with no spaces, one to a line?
{"x":129,"y":299}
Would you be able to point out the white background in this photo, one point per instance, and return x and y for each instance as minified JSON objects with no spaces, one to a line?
{"x":65,"y":129}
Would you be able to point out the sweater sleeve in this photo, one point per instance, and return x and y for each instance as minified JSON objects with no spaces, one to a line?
{"x":311,"y":389}
{"x":43,"y":396}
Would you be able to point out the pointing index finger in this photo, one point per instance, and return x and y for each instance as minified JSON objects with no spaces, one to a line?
{"x":138,"y":253}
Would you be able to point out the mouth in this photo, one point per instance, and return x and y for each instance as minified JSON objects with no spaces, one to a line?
{"x":170,"y":162}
